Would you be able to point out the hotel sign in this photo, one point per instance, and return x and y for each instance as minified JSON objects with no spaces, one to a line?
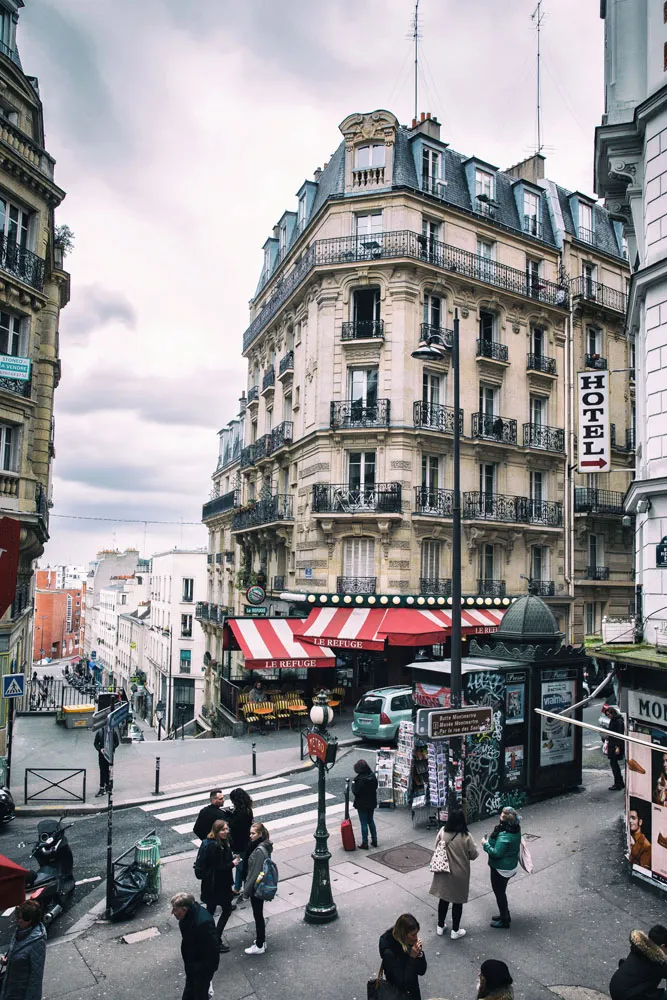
{"x":11,"y":367}
{"x":593,"y":451}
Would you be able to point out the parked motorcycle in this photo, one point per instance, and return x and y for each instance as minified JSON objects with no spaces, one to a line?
{"x":7,"y":807}
{"x":52,"y":885}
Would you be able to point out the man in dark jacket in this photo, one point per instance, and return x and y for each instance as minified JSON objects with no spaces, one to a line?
{"x":199,"y":945}
{"x":639,"y":975}
{"x":615,"y":748}
{"x":208,"y":815}
{"x":101,"y":759}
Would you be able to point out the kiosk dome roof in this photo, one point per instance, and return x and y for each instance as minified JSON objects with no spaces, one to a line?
{"x":529,"y":619}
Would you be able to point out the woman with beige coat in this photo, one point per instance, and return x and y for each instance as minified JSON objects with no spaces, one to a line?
{"x":453,"y":886}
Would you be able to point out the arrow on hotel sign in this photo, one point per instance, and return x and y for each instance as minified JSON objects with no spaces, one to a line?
{"x":599,"y":462}
{"x":10,"y":532}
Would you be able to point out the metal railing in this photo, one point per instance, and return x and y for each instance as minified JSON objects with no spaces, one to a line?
{"x":286,"y":363}
{"x":492,"y":349}
{"x":265,"y":511}
{"x":10,"y":53}
{"x":594,"y":501}
{"x":260,"y":449}
{"x":220,"y":504}
{"x":493,"y":427}
{"x":587,"y":235}
{"x":382,"y":498}
{"x":269,"y":378}
{"x":438,"y":503}
{"x":540,"y":363}
{"x":19,"y":386}
{"x":484,"y":207}
{"x":202,"y":611}
{"x":253,"y":395}
{"x":281,"y":435}
{"x":363,"y":329}
{"x":404,"y":243}
{"x":435,"y":417}
{"x":491,"y":588}
{"x":428,"y":332}
{"x":434,"y":585}
{"x":597,"y":572}
{"x":542,"y":588}
{"x":356,"y":584}
{"x":547,"y":438}
{"x":67,"y":794}
{"x":511,"y":509}
{"x":229,"y":696}
{"x":549,"y":512}
{"x":595,"y":361}
{"x":585,"y":288}
{"x":433,"y":185}
{"x":354,"y":413}
{"x":23,"y":264}
{"x":246,"y":457}
{"x":532,"y":226}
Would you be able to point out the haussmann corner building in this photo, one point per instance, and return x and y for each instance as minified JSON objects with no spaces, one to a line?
{"x":334,"y":480}
{"x":33,"y":288}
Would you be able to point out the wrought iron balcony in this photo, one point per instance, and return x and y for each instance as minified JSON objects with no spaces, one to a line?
{"x":355,"y":413}
{"x":260,"y":449}
{"x":587,"y":235}
{"x":253,"y":395}
{"x":433,"y":185}
{"x":228,"y":501}
{"x":542,"y":588}
{"x":23,"y":264}
{"x":438,"y":503}
{"x":548,"y":512}
{"x":585,"y":288}
{"x":494,"y":428}
{"x":547,"y":438}
{"x":278,"y":584}
{"x":356,"y":584}
{"x":492,"y":349}
{"x":397,"y":244}
{"x":20,"y":387}
{"x":593,"y":501}
{"x":22,"y":597}
{"x":434,"y":585}
{"x":597,"y":572}
{"x":201,"y":611}
{"x":491,"y":588}
{"x":264,"y":511}
{"x":42,"y":504}
{"x":511,"y":509}
{"x":286,"y":365}
{"x":595,"y":361}
{"x":269,"y":379}
{"x":363,"y":329}
{"x":532,"y":226}
{"x":485,"y":207}
{"x":382,"y":498}
{"x":443,"y":336}
{"x":246,"y":457}
{"x":10,"y":53}
{"x":280,"y":436}
{"x":539,"y":363}
{"x":435,"y":417}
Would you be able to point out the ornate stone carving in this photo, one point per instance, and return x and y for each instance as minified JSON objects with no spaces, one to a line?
{"x":399,"y":464}
{"x":376,"y":125}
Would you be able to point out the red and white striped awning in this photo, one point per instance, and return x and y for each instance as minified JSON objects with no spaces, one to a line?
{"x":271,"y":643}
{"x":370,"y":628}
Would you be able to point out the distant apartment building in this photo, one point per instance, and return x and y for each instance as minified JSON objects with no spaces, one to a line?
{"x":57,"y":631}
{"x":122,"y":595}
{"x":107,"y":564}
{"x":130,"y":659}
{"x":69,"y":576}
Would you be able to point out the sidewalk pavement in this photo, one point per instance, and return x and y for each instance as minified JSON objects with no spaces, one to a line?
{"x":570,"y":919}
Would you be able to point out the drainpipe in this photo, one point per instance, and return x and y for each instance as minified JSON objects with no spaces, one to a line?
{"x":568,"y":498}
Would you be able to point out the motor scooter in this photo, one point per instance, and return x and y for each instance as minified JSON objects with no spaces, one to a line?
{"x":52,"y":885}
{"x":7,"y":807}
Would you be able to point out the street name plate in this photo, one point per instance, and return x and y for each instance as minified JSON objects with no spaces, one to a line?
{"x":459,"y":722}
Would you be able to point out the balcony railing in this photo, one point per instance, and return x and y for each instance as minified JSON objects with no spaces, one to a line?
{"x":280,"y":436}
{"x":24,"y":264}
{"x":630,"y":439}
{"x":511,"y":509}
{"x":278,"y":584}
{"x":597,"y":572}
{"x":438,"y":503}
{"x":491,"y":588}
{"x":42,"y":504}
{"x":356,"y":584}
{"x":10,"y":53}
{"x":542,"y":588}
{"x":269,"y":379}
{"x":493,"y":428}
{"x":260,"y":449}
{"x":246,"y":457}
{"x":585,"y":288}
{"x":595,"y":361}
{"x":532,"y":226}
{"x":253,"y":394}
{"x":539,"y":363}
{"x":492,"y":349}
{"x":286,"y":364}
{"x":363,"y":329}
{"x":549,"y":512}
{"x":587,"y":235}
{"x":354,"y":413}
{"x":593,"y":501}
{"x":382,"y":498}
{"x":547,"y":438}
{"x":202,"y":611}
{"x":435,"y":417}
{"x":265,"y":511}
{"x":484,"y":207}
{"x":367,"y":177}
{"x":433,"y":185}
{"x":436,"y":586}
{"x":220,"y":504}
{"x":403,"y":243}
{"x":429,"y":331}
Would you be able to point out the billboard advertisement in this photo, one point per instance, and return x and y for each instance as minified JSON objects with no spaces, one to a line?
{"x":557,"y":735}
{"x":646,"y":783}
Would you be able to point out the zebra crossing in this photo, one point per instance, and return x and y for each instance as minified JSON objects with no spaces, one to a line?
{"x":287,"y":808}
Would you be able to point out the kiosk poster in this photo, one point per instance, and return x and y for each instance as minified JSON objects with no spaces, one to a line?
{"x":557,"y":735}
{"x":646,"y":770}
{"x":431,"y":695}
{"x":514,"y":704}
{"x":513,"y":765}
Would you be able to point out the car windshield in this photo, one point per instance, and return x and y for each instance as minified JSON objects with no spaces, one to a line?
{"x":370,"y":705}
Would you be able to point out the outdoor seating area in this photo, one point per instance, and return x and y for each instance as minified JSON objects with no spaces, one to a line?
{"x":278,"y":708}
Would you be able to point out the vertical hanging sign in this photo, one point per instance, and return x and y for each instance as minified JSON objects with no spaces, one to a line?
{"x":593,"y":451}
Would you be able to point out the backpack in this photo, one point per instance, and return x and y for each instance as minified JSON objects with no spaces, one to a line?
{"x":266,"y":883}
{"x":199,"y":860}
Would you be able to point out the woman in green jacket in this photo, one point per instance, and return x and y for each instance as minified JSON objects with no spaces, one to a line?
{"x":503,"y":848}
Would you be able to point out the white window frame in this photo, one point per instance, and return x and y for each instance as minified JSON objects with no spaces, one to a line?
{"x":363,"y":485}
{"x":23,"y":220}
{"x":365,"y":372}
{"x":431,"y":472}
{"x":593,"y":339}
{"x":585,"y":216}
{"x":16,"y":331}
{"x":483,"y":397}
{"x":359,"y":557}
{"x":538,"y":409}
{"x":429,"y":567}
{"x":9,"y":447}
{"x":599,"y":550}
{"x":484,"y":468}
{"x":545,"y":568}
{"x":432,"y":159}
{"x":367,"y":224}
{"x":535,"y":340}
{"x":484,"y":184}
{"x":531,"y":205}
{"x":538,"y":482}
{"x":187,"y":589}
{"x":483,"y":554}
{"x":369,"y":156}
{"x":433,"y":307}
{"x":301,"y":211}
{"x":433,"y":388}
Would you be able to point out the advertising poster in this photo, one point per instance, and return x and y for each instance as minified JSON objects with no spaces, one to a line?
{"x":514,"y":704}
{"x":431,"y":696}
{"x":646,"y":771}
{"x":513,"y":765}
{"x":557,"y":736}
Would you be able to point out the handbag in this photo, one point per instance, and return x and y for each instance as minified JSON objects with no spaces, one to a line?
{"x":525,"y":858}
{"x":439,"y":862}
{"x":380,"y":988}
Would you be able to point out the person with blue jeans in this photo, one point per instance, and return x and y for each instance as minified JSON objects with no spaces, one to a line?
{"x":364,"y":789}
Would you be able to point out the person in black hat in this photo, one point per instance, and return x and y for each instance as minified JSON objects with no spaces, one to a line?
{"x":615,"y":748}
{"x":495,"y":982}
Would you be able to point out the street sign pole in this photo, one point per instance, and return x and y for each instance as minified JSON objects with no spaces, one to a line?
{"x":456,"y":745}
{"x":110,"y":827}
{"x":10,"y":737}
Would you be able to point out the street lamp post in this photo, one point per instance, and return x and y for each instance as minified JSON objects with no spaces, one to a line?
{"x":322,"y":749}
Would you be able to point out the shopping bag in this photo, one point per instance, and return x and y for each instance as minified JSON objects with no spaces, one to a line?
{"x":439,"y":861}
{"x":525,"y":858}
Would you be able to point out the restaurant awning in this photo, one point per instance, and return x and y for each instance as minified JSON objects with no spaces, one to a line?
{"x":271,"y":643}
{"x":369,"y":628}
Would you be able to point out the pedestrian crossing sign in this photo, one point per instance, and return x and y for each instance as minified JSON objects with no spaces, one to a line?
{"x":13,"y":685}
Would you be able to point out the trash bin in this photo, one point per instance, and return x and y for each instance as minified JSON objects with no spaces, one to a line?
{"x":147,"y":857}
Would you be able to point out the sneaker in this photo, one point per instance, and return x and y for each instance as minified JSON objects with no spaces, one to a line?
{"x":500,"y":923}
{"x":440,"y":930}
{"x":224,"y":947}
{"x":455,"y":935}
{"x":364,"y":847}
{"x":255,"y":950}
{"x":211,"y":991}
{"x":101,"y":792}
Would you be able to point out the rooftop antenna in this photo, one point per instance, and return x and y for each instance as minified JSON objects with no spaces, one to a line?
{"x":537,"y":17}
{"x":415,"y":35}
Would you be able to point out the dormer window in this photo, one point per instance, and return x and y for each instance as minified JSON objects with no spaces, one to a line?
{"x":301,"y":216}
{"x":283,"y":240}
{"x":484,"y":187}
{"x":531,"y":213}
{"x":267,"y":260}
{"x":432,"y":171}
{"x":369,"y":156}
{"x":585,"y":222}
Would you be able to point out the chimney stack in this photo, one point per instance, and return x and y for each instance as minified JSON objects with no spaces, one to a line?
{"x":242,"y":404}
{"x":414,"y":123}
{"x":422,"y":117}
{"x":317,"y":175}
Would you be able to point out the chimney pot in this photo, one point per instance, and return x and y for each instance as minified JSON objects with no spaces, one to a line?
{"x":422,"y":117}
{"x":428,"y":114}
{"x":325,"y":165}
{"x":414,"y":123}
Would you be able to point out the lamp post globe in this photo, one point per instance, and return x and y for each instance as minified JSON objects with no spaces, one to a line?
{"x":320,"y":908}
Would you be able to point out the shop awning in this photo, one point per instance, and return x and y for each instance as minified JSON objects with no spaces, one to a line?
{"x":271,"y":643}
{"x":369,"y":628}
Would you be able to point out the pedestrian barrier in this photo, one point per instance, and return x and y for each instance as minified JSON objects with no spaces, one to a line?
{"x":41,"y":775}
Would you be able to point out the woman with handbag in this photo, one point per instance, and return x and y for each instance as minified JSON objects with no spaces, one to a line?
{"x":403,"y":961}
{"x":503,"y":848}
{"x":216,"y":880}
{"x":454,"y":850}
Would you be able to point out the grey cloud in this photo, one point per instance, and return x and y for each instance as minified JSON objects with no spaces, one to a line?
{"x":93,"y":307}
{"x":110,"y":475}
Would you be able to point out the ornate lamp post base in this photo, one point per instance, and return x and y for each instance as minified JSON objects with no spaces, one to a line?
{"x":321,"y":908}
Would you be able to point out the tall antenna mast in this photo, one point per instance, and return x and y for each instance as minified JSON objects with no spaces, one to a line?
{"x":537,"y":16}
{"x":415,"y":35}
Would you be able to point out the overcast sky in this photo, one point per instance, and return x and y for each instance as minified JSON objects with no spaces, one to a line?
{"x":182,"y":130}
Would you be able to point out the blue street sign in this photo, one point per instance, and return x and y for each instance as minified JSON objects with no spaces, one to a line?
{"x":13,"y":685}
{"x":119,"y":715}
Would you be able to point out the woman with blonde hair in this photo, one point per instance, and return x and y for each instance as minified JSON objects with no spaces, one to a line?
{"x":216,"y":881}
{"x":402,"y":956}
{"x":261,"y":848}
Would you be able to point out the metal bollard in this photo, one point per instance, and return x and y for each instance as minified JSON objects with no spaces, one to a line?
{"x":157,"y":777}
{"x":254,"y":758}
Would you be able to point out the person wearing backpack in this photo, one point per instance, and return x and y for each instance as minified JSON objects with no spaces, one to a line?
{"x":215,"y":863}
{"x":261,"y":850}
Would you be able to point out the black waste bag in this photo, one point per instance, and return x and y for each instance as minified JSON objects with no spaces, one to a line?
{"x":127,"y":894}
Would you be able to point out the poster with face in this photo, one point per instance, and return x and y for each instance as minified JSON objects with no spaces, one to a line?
{"x":638,"y":774}
{"x":514,"y":704}
{"x":513,"y":765}
{"x":557,"y":735}
{"x":639,"y":833}
{"x":659,"y":778}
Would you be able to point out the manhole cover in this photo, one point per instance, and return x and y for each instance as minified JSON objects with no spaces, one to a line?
{"x":406,"y":858}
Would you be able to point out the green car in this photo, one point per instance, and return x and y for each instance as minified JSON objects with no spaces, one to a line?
{"x":378,"y":713}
